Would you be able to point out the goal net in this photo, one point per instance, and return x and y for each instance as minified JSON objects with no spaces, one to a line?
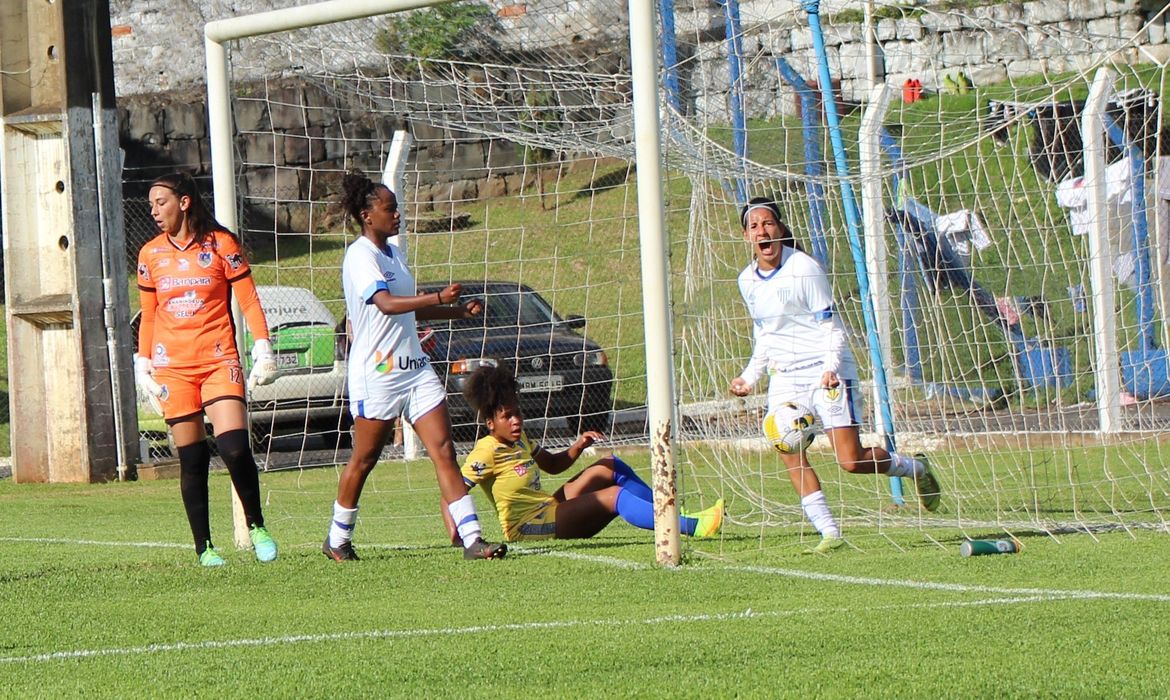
{"x":1032,"y":375}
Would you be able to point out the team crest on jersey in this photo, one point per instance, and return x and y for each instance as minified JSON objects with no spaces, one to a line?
{"x":383,"y":364}
{"x":144,"y":272}
{"x":522,"y":469}
{"x":235,"y":260}
{"x":204,"y":259}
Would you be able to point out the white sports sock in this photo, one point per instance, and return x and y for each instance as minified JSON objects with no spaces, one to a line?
{"x":341,"y":529}
{"x":901,"y":465}
{"x":466,"y":521}
{"x":816,"y":509}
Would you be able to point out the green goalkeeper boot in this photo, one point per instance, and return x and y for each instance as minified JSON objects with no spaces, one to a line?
{"x":262,"y":543}
{"x":210,"y":557}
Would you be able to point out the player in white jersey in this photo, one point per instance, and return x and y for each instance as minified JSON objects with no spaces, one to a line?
{"x":801,"y":346}
{"x":389,"y":374}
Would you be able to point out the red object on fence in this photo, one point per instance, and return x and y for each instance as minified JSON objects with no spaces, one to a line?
{"x":911,"y":90}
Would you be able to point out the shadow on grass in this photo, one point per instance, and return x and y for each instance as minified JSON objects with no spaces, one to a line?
{"x":605,"y":181}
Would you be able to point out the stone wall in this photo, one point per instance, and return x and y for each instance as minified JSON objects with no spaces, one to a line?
{"x":991,"y":44}
{"x":295,"y":144}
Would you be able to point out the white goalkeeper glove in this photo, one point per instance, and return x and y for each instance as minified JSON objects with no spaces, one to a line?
{"x":263,"y":364}
{"x":144,"y":378}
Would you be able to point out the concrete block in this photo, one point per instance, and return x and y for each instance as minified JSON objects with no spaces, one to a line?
{"x":1045,"y":12}
{"x":185,"y":120}
{"x":156,"y":471}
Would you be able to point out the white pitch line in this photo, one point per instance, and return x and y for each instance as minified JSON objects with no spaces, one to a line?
{"x":951,"y":587}
{"x":98,"y":543}
{"x":767,"y":570}
{"x":887,"y":583}
{"x":478,"y":629}
{"x":173,"y":545}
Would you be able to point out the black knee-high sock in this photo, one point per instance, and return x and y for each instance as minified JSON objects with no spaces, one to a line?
{"x":194,"y":461}
{"x":237,"y":455}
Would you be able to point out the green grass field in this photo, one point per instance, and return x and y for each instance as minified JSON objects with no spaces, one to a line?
{"x":102,"y":598}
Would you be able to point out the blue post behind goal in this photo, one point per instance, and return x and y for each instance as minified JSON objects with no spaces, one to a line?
{"x":853,"y":223}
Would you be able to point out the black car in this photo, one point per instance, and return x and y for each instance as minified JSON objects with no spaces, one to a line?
{"x":561,"y":373}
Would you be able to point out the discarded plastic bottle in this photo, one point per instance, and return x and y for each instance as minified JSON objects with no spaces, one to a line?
{"x":973,"y":548}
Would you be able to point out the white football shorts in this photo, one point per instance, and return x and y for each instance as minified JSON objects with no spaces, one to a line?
{"x":839,"y":407}
{"x":424,"y":394}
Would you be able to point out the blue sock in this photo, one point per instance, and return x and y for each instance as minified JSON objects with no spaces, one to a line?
{"x":627,"y":478}
{"x":639,"y":512}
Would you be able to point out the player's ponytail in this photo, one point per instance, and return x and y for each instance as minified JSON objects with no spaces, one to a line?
{"x":358,"y":193}
{"x":200,"y":221}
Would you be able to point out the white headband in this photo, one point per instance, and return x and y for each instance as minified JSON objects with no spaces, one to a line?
{"x":746,"y":212}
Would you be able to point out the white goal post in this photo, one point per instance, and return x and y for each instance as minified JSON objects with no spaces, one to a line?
{"x":651,"y":216}
{"x":1009,"y":277}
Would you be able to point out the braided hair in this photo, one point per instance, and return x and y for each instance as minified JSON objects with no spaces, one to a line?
{"x":358,"y":193}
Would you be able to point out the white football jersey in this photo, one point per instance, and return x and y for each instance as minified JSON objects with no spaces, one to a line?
{"x":789,"y":307}
{"x":385,"y":357}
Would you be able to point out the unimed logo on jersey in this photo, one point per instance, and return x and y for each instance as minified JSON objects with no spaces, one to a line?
{"x":385,"y":364}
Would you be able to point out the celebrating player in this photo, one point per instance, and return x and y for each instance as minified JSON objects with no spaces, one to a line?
{"x":389,"y":374}
{"x":801,"y":345}
{"x":187,"y":362}
{"x":508,"y":464}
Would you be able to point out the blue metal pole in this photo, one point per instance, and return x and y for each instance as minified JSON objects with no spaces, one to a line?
{"x":1140,"y":232}
{"x":813,"y":159}
{"x":670,"y":55}
{"x":736,"y":98}
{"x":853,"y":222}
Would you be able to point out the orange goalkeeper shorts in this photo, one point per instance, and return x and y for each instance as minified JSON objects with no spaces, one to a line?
{"x":187,"y":391}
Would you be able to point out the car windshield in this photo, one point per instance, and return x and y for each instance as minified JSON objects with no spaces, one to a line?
{"x":508,"y":308}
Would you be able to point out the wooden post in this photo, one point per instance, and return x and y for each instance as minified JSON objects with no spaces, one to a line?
{"x":64,"y":269}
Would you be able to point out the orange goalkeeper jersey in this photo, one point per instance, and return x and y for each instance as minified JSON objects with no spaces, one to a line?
{"x":186,"y":300}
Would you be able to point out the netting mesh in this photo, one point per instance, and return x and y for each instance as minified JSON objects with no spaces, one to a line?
{"x":521,"y":173}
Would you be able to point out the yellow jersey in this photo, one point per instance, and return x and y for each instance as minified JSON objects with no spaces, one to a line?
{"x":510,"y":478}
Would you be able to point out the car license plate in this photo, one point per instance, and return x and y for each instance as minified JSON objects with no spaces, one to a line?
{"x":553,"y":382}
{"x":288,"y":360}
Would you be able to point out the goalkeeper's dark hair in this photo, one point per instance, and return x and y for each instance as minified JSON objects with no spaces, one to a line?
{"x":786,"y":237}
{"x":200,"y":221}
{"x":358,"y":193}
{"x":489,"y":389}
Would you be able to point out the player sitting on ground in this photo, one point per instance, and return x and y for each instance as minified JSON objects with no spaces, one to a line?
{"x":507,"y":464}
